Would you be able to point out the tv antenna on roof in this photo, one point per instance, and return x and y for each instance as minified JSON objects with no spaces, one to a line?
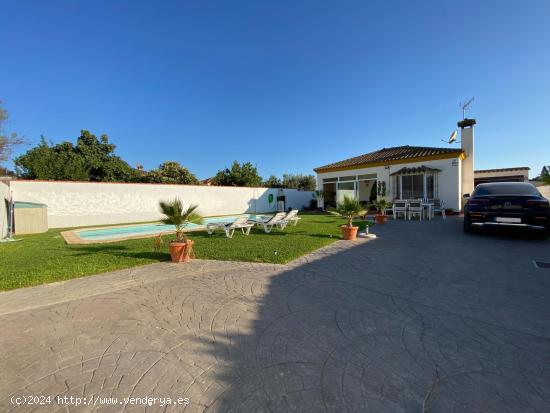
{"x":465,"y":106}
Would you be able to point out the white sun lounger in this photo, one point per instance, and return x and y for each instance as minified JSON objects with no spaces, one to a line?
{"x":241,"y":223}
{"x":276,"y":220}
{"x":292,"y":216}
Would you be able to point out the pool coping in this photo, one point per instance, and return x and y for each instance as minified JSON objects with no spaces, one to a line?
{"x":71,"y":236}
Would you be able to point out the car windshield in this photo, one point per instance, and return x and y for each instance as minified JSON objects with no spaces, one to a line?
{"x":516,"y":189}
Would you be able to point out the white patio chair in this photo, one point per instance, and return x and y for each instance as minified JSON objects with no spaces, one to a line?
{"x":439,"y":206}
{"x":241,"y":223}
{"x":416,"y":208}
{"x":291,"y":216}
{"x":399,"y":207}
{"x":276,"y":220}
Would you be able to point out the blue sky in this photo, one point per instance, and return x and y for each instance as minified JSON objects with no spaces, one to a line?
{"x":286,"y":85}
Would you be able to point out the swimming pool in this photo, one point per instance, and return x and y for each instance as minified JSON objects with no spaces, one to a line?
{"x":118,"y":233}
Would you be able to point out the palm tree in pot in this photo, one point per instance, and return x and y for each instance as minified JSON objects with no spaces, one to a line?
{"x":349,"y":208}
{"x":381,"y":205}
{"x":180,"y":248}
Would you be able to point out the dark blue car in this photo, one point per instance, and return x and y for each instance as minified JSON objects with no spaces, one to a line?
{"x":507,"y":204}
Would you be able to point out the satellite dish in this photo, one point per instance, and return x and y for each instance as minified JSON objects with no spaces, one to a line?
{"x":452,"y":138}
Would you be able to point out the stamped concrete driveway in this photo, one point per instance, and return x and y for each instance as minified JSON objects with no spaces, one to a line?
{"x":423,"y":318}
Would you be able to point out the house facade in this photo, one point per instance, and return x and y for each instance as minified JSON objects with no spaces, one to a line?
{"x":403,"y":172}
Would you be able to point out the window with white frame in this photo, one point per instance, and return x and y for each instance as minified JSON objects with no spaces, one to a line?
{"x":415,"y":186}
{"x":348,"y":186}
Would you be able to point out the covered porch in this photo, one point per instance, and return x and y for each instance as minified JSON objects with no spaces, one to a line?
{"x":415,"y":183}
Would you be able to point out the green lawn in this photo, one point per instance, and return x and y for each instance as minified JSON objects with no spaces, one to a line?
{"x":45,"y":258}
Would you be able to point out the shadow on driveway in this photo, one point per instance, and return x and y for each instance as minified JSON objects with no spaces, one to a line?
{"x":421,"y":318}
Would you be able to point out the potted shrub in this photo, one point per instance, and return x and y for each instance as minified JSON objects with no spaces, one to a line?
{"x":181,"y":248}
{"x":349,"y":208}
{"x":319,"y":195}
{"x":381,"y":206}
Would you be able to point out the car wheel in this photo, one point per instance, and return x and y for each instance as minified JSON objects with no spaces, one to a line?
{"x":467,"y":225}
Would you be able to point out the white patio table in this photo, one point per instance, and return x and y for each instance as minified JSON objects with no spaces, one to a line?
{"x":428,"y":206}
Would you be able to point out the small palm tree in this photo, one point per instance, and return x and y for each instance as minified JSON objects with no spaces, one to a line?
{"x":382,"y":205}
{"x":177,"y":216}
{"x":349,"y":208}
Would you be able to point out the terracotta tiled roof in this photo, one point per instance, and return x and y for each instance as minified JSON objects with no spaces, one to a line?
{"x":398,"y":154}
{"x":207,"y":181}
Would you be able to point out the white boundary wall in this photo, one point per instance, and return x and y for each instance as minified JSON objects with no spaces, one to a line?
{"x":4,"y":194}
{"x":73,"y":204}
{"x":545,"y":191}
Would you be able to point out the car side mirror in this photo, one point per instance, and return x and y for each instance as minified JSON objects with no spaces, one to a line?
{"x":466,"y":196}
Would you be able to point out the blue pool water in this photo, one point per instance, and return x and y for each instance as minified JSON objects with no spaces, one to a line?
{"x":149,"y":229}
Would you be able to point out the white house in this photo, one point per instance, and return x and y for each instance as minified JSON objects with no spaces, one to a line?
{"x":405,"y":171}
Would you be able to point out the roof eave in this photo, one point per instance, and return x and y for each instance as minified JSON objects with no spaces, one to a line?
{"x":451,"y":155}
{"x":519,"y":168}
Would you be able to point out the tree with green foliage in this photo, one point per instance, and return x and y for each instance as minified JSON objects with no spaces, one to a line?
{"x":544,"y":175}
{"x":91,"y":159}
{"x":238,"y":175}
{"x":381,"y":188}
{"x":171,"y":172}
{"x":272,"y":182}
{"x":7,"y":140}
{"x":301,"y":182}
{"x":99,"y":159}
{"x":52,"y":162}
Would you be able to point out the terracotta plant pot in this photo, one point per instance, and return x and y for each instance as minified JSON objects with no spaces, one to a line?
{"x":181,"y":251}
{"x":349,"y":233}
{"x":380,"y":219}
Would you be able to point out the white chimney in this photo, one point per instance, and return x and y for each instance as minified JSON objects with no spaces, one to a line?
{"x":467,"y":142}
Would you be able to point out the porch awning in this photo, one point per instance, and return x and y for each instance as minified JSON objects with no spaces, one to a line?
{"x":418,"y":170}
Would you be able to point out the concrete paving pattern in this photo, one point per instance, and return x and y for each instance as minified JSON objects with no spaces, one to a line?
{"x":423,"y":318}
